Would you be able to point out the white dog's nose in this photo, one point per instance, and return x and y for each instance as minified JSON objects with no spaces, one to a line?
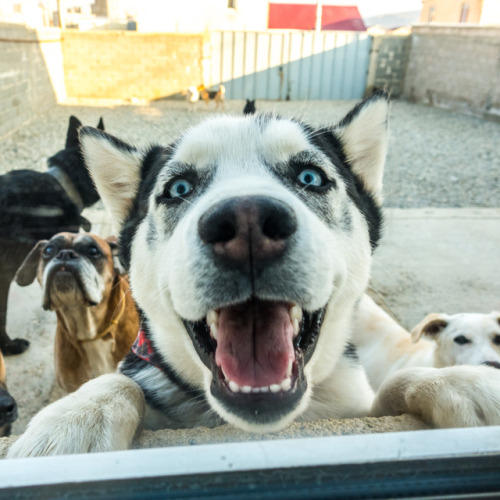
{"x":248,"y":231}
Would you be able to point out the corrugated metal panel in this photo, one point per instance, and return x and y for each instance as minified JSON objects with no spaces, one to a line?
{"x":294,"y":65}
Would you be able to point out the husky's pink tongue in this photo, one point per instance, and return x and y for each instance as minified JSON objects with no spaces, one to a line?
{"x":255,"y":343}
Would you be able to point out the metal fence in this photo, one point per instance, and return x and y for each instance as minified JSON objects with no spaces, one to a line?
{"x":291,"y":65}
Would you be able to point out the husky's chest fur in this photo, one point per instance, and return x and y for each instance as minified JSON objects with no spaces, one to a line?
{"x":249,"y":242}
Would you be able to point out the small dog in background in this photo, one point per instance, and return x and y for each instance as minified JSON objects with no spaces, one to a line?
{"x":36,"y":205}
{"x":195,"y":94}
{"x":97,"y":321}
{"x":8,"y":406}
{"x":439,"y":340}
{"x":218,"y":96}
{"x":192,"y":97}
{"x":249,"y":108}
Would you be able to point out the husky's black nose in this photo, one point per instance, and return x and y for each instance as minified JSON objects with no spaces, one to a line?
{"x":248,"y":230}
{"x":8,"y":407}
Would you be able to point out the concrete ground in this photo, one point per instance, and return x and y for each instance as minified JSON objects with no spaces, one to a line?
{"x":439,"y":260}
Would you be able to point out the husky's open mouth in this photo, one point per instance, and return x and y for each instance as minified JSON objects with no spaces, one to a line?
{"x":257,"y":352}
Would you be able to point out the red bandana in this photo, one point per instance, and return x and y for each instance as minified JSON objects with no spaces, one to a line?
{"x":143,"y":348}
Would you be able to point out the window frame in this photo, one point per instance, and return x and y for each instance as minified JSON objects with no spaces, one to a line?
{"x":427,"y":464}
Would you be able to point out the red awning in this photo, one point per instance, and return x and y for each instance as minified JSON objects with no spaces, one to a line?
{"x":303,"y":17}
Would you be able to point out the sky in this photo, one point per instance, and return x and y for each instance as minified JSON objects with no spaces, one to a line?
{"x":369,"y":8}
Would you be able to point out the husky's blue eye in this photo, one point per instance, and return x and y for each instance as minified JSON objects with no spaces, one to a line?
{"x":180,"y":188}
{"x":310,"y":177}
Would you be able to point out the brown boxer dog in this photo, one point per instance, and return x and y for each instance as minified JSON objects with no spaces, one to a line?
{"x":97,"y":321}
{"x":8,"y":406}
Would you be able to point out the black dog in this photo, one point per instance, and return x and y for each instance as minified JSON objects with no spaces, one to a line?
{"x":35,"y":206}
{"x":249,"y":108}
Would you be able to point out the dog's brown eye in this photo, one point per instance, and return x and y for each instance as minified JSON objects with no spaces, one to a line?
{"x":93,"y":251}
{"x":49,"y":251}
{"x":461,"y":340}
{"x":496,"y":339}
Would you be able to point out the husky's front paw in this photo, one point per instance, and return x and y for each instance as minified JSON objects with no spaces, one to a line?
{"x":456,"y":396}
{"x":102,"y":415}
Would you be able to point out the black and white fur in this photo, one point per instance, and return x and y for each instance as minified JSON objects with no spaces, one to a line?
{"x":254,"y":217}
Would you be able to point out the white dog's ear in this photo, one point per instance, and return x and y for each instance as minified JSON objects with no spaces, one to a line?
{"x":364,"y":135}
{"x":115,"y":168}
{"x":431,"y":325}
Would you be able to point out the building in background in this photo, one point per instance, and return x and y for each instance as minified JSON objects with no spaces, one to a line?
{"x":483,"y":12}
{"x":31,"y":13}
{"x":188,"y":16}
{"x":200,"y":16}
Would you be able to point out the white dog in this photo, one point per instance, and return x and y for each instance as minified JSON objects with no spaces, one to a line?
{"x":439,"y":340}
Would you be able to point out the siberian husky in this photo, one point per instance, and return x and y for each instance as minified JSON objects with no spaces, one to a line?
{"x":249,"y":243}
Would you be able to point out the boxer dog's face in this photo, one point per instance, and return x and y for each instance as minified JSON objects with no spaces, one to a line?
{"x":71,"y":268}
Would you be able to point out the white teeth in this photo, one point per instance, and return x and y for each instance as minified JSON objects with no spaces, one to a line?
{"x":286,"y":385}
{"x":213,"y":322}
{"x":234,"y":386}
{"x":212,"y":317}
{"x":289,"y":368}
{"x":213,"y":331}
{"x":296,"y":312}
{"x":295,"y":318}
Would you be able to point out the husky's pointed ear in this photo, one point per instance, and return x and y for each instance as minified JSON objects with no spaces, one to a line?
{"x":100,"y":125}
{"x":364,"y":136}
{"x":72,"y":134}
{"x":115,"y":168}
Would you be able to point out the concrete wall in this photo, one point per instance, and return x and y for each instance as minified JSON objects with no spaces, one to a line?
{"x":388,"y":59}
{"x":126,"y":65}
{"x":455,"y":67}
{"x":31,"y":74}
